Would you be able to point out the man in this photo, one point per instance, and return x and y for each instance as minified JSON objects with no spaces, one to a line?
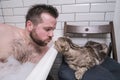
{"x":29,"y":44}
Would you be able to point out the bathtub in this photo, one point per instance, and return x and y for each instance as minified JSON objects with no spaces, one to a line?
{"x":41,"y":70}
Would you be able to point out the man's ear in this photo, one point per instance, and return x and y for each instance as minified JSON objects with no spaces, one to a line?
{"x":29,"y":25}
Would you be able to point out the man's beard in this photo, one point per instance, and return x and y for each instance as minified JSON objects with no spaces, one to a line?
{"x":38,"y":42}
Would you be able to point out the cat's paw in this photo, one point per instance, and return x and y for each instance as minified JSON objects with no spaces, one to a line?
{"x":78,"y":75}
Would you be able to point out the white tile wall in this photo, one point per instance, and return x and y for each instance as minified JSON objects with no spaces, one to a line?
{"x":61,"y":2}
{"x":20,"y":25}
{"x":58,"y":33}
{"x":75,"y":11}
{"x":78,"y":12}
{"x":20,"y":11}
{"x":8,"y":12}
{"x":75,"y":8}
{"x":31,"y":2}
{"x":83,"y":12}
{"x":89,"y":16}
{"x":111,"y":0}
{"x":59,"y":8}
{"x":66,"y":17}
{"x":14,"y":19}
{"x":109,"y":16}
{"x":102,"y":7}
{"x":0,"y":12}
{"x":1,"y":19}
{"x":11,"y":3}
{"x":58,"y":26}
{"x":0,"y":5}
{"x":90,"y":1}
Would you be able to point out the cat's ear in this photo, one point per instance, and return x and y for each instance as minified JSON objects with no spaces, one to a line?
{"x":104,"y":48}
{"x":66,"y":36}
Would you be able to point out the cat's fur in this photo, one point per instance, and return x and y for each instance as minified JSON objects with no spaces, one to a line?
{"x":82,"y":58}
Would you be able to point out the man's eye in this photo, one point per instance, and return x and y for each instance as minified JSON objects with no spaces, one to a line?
{"x":47,"y":29}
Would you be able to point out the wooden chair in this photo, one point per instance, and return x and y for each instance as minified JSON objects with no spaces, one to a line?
{"x":78,"y":31}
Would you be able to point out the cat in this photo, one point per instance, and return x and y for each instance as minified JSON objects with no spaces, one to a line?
{"x":82,"y":58}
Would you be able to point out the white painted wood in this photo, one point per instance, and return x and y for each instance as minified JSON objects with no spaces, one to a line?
{"x":117,"y":26}
{"x":41,"y":71}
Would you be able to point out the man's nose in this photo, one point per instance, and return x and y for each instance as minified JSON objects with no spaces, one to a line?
{"x":51,"y":34}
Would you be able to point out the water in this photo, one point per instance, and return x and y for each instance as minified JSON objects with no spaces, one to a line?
{"x":14,"y":70}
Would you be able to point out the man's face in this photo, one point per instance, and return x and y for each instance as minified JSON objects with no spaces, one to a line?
{"x":43,"y":32}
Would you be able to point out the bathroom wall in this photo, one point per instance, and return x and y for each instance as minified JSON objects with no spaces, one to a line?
{"x":83,"y":12}
{"x":1,"y":14}
{"x":117,"y":25}
{"x":79,"y":12}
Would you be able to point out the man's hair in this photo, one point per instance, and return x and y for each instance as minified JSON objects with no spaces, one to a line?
{"x":34,"y":13}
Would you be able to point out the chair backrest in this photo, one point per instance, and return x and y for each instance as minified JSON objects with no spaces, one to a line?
{"x":77,"y":31}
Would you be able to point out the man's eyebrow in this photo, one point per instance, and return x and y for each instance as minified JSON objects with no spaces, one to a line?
{"x":51,"y":27}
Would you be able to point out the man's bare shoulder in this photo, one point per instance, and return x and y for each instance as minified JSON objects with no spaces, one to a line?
{"x":7,"y":26}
